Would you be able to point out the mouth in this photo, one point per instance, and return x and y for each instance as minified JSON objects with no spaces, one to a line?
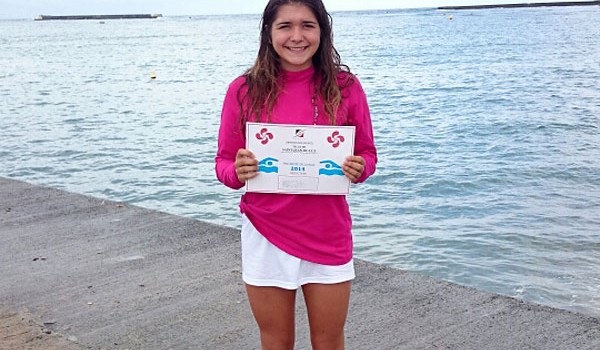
{"x":296,"y":48}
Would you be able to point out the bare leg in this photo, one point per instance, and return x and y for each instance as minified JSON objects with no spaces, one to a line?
{"x":327,"y":307}
{"x":273,"y":309}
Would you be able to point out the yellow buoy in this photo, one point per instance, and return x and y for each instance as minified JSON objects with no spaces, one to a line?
{"x":450,"y":17}
{"x":152,"y":74}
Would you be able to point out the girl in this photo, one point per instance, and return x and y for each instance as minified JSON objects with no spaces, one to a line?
{"x":292,"y":241}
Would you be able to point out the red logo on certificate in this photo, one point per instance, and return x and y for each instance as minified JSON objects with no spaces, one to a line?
{"x":336,"y":139}
{"x":264,"y":136}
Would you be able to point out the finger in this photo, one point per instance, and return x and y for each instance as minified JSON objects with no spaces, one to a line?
{"x":356,"y":159}
{"x":357,"y":166}
{"x":246,"y":167}
{"x":244,"y":153}
{"x":353,"y":170}
{"x":245,"y":158}
{"x":246,"y":162}
{"x":351,"y":173}
{"x":243,"y":175}
{"x":355,"y":162}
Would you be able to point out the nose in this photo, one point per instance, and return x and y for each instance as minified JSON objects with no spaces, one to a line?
{"x":296,"y":34}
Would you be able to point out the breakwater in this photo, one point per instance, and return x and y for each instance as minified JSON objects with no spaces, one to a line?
{"x":96,"y":17}
{"x":534,"y":4}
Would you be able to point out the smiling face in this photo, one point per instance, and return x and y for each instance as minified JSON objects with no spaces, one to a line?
{"x":295,"y":36}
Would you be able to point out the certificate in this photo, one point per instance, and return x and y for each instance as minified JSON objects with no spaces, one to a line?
{"x":299,"y":159}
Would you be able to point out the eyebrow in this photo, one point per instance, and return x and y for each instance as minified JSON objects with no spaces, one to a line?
{"x":289,"y":22}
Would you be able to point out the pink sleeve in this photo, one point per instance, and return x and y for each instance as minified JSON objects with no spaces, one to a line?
{"x":231,"y":138}
{"x":360,"y":116}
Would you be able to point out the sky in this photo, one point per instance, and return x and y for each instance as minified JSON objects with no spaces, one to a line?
{"x":32,"y":8}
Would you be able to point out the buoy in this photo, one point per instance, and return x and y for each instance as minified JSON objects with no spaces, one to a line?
{"x":152,"y":74}
{"x":450,"y":17}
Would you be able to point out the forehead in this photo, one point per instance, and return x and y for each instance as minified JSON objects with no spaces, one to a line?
{"x":295,"y":13}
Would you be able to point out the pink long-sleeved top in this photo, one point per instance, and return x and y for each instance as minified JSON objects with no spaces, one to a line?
{"x":315,"y":228}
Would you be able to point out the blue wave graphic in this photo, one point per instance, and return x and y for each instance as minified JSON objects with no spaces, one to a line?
{"x":330,"y":168}
{"x":268,"y":165}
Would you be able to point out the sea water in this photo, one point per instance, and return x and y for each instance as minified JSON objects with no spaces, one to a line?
{"x":487,"y":125}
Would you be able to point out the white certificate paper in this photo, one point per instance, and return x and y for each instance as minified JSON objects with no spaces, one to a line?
{"x":299,"y":159}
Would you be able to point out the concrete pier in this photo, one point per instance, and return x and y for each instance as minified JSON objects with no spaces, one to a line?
{"x":95,"y":17}
{"x":520,"y":5}
{"x":84,"y":273}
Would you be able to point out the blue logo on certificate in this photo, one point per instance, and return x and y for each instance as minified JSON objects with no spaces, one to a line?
{"x":330,"y":168}
{"x":268,"y":165}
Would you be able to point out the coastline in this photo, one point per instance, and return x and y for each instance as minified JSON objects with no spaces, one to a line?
{"x":96,"y":17}
{"x":102,"y":274}
{"x":520,"y":5}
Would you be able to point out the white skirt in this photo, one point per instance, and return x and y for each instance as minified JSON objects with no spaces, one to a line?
{"x":265,"y":265}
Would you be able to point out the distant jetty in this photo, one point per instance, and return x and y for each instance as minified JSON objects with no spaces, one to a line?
{"x":96,"y":17}
{"x":533,"y":4}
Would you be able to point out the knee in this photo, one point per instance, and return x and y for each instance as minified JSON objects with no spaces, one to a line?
{"x":327,"y":342}
{"x":277,"y":342}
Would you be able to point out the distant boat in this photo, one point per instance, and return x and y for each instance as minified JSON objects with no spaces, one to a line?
{"x":96,"y":17}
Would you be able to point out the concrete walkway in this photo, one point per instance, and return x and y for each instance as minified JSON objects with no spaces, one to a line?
{"x":105,"y":275}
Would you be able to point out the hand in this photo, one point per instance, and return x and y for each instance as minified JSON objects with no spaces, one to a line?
{"x":353,"y":167}
{"x":246,"y":165}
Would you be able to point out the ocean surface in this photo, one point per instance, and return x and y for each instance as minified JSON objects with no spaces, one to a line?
{"x":487,"y":124}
